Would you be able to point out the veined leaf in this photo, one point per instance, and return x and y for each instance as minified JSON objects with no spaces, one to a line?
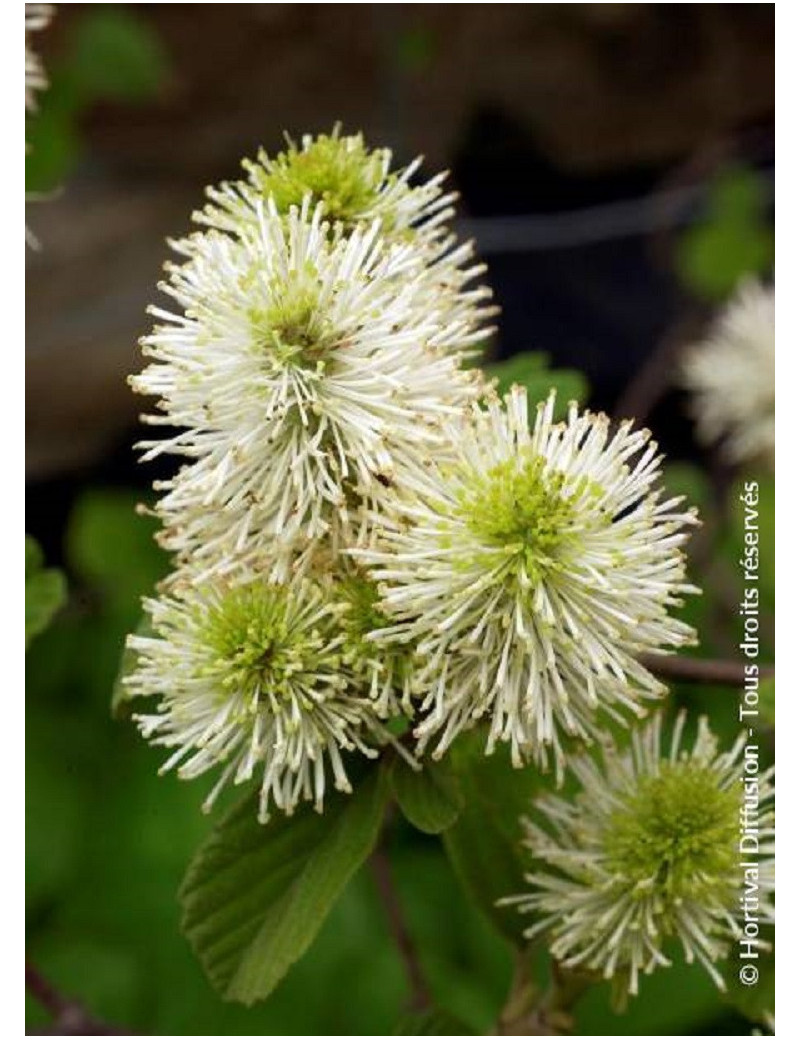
{"x":430,"y":798}
{"x":256,"y":895}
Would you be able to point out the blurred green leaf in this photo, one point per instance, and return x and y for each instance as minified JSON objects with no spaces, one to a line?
{"x":756,"y":1002}
{"x":45,"y":591}
{"x":110,"y":54}
{"x":734,"y":238}
{"x":430,"y":798}
{"x":432,"y":1023}
{"x":54,"y":810}
{"x":115,"y":54}
{"x":531,"y":371}
{"x":684,"y":478}
{"x":256,"y":895}
{"x":101,"y":970}
{"x":485,"y":843}
{"x":113,"y":549}
{"x":119,"y":694}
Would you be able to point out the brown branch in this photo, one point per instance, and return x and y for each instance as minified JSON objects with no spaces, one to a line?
{"x":70,"y":1018}
{"x":527,"y":1012}
{"x":382,"y":873}
{"x":710,"y":671}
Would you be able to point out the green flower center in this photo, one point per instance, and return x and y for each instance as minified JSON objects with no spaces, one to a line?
{"x":340,"y":172}
{"x":520,"y":508}
{"x":291,"y":329}
{"x":256,"y":644}
{"x":676,"y":834}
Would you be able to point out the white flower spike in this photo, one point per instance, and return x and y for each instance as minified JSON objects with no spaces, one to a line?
{"x":532,"y":571}
{"x":732,"y":378}
{"x":253,"y":678}
{"x":646,"y":852}
{"x":37,"y":17}
{"x":308,"y":369}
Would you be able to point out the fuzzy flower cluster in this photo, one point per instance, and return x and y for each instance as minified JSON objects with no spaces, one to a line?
{"x":365,"y":538}
{"x":731,"y":376}
{"x":647,"y":852}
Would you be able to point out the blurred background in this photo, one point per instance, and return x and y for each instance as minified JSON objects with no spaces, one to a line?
{"x":615,"y":164}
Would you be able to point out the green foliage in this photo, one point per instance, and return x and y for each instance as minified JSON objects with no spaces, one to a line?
{"x":734,"y":238}
{"x":120,"y":696}
{"x":684,"y":478}
{"x":113,"y":550}
{"x":116,"y":55}
{"x":484,"y":845}
{"x":679,"y":1000}
{"x":430,"y":798}
{"x":431,"y":1023}
{"x":111,"y":54}
{"x":256,"y":895}
{"x":756,"y":1002}
{"x":532,"y":371}
{"x":45,"y":591}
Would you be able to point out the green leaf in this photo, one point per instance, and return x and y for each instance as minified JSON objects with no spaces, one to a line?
{"x":119,"y":692}
{"x":432,"y":1023}
{"x":484,"y":844}
{"x":116,"y":54}
{"x":756,"y":1001}
{"x":45,"y":591}
{"x":531,"y":371}
{"x":733,"y":239}
{"x":113,"y":549}
{"x":256,"y":895}
{"x":430,"y":798}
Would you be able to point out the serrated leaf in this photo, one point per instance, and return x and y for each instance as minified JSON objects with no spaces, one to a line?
{"x":532,"y":371}
{"x":256,"y":895}
{"x":432,"y":1023}
{"x":45,"y":591}
{"x":484,"y":844}
{"x":430,"y":798}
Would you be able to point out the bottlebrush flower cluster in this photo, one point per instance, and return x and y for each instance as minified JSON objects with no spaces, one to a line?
{"x":648,"y":851}
{"x":365,"y":536}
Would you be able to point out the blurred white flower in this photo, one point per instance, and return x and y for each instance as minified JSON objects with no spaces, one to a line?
{"x":307,"y":369}
{"x":531,"y":571}
{"x":731,"y":376}
{"x":253,"y":678}
{"x":37,"y":17}
{"x":647,"y":851}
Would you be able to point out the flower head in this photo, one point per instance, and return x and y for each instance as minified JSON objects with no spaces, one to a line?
{"x":388,"y":670}
{"x":647,"y":851}
{"x":37,"y":17}
{"x":353,"y":185}
{"x":532,"y":570}
{"x":253,"y":677}
{"x":308,"y":369}
{"x":732,"y":377}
